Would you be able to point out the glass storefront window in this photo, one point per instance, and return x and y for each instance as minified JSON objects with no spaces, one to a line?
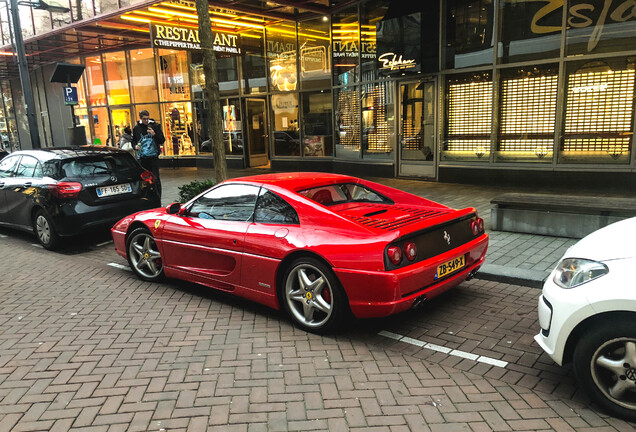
{"x":378,"y":120}
{"x":174,"y":76}
{"x":347,"y":133}
{"x":82,"y":116}
{"x":315,"y":54}
{"x":528,"y":114}
{"x":81,"y":90}
{"x":95,"y":80}
{"x":418,"y":121}
{"x":599,"y":113}
{"x":317,"y":130}
{"x":345,"y":32}
{"x":371,"y":14}
{"x":233,"y":138}
{"x":121,"y":119}
{"x":142,"y":75}
{"x":527,"y":32}
{"x":118,"y":91}
{"x":227,"y":75}
{"x":469,"y":33}
{"x":178,"y":129}
{"x":42,"y":21}
{"x":600,"y":27}
{"x":281,"y":56}
{"x":468,"y":117}
{"x":254,"y":64}
{"x":153,"y":110}
{"x":98,"y":120}
{"x":286,"y":133}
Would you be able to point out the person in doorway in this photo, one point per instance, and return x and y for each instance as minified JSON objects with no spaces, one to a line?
{"x":147,"y":138}
{"x":125,"y":142}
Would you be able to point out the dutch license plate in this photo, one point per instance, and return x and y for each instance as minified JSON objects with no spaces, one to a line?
{"x":450,"y":267}
{"x":114,"y":190}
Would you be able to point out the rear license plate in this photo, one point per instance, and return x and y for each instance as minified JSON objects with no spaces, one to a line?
{"x":114,"y":190}
{"x":451,"y":266}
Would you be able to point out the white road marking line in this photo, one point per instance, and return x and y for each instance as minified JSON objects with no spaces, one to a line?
{"x":119,"y":266}
{"x":433,"y":347}
{"x":103,"y":243}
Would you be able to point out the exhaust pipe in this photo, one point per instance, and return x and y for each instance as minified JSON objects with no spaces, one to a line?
{"x":472,"y":273}
{"x":419,"y":301}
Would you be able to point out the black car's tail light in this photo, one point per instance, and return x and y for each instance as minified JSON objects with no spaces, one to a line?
{"x":66,"y":189}
{"x":395,"y":255}
{"x":147,"y":177}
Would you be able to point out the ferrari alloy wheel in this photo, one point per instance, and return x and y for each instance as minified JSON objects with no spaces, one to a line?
{"x":605,"y":364}
{"x":45,"y":231}
{"x":312,"y":296}
{"x":143,"y":255}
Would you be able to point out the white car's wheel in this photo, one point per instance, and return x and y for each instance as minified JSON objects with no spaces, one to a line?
{"x":312,"y":296}
{"x":605,"y":365}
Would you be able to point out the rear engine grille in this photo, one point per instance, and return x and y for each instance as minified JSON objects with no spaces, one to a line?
{"x":391,"y":225}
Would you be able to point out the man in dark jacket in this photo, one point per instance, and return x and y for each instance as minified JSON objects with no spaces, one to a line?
{"x":147,"y":138}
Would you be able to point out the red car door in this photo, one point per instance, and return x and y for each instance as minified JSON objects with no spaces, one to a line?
{"x":206,"y":243}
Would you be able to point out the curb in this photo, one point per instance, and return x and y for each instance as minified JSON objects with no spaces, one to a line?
{"x":517,"y":276}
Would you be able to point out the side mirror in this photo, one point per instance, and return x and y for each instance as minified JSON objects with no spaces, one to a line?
{"x":175,"y":208}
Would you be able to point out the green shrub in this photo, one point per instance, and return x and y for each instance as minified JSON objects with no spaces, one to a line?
{"x":194,"y":188}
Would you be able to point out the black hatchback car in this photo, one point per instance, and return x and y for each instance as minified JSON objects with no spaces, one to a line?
{"x":57,"y":192}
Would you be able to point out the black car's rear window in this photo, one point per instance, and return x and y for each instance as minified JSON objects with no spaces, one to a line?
{"x":98,"y":165}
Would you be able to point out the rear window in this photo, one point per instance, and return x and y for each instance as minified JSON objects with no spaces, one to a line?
{"x":342,"y":193}
{"x":98,"y":165}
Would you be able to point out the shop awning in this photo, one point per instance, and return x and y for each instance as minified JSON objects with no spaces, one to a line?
{"x":128,"y":28}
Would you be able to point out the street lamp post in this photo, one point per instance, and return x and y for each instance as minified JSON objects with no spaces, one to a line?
{"x":25,"y":78}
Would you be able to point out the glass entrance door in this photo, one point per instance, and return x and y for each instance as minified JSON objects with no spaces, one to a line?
{"x":418,"y":144}
{"x":256,"y":127}
{"x":121,"y":118}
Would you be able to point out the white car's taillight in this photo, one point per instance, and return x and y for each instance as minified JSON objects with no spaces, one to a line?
{"x":572,"y":272}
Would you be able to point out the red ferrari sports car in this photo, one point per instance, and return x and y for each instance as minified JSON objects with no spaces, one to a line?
{"x":318,"y":245}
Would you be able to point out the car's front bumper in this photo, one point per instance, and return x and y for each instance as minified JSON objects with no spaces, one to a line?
{"x":378,"y":294}
{"x":560,"y":311}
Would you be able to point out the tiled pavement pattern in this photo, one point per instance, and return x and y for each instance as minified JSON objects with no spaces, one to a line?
{"x":85,"y":346}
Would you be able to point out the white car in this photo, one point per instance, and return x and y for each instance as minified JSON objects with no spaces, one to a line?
{"x":587,"y":313}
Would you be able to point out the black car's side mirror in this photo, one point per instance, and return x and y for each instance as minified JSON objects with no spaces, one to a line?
{"x":175,"y":208}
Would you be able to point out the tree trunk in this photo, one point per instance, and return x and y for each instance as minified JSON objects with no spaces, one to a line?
{"x":215,"y":125}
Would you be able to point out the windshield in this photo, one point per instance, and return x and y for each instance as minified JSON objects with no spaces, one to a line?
{"x":342,"y":193}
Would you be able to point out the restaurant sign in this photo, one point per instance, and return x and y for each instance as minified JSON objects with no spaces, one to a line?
{"x":187,"y":38}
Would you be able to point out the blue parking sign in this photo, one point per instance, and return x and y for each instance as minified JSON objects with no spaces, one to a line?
{"x":70,"y":95}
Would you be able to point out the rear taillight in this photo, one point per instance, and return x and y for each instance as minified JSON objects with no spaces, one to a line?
{"x":410,"y":250}
{"x":395,"y":255}
{"x":66,"y":189}
{"x":477,"y":226}
{"x":147,"y":177}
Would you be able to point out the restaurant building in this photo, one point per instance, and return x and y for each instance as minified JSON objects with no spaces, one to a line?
{"x":537,"y":92}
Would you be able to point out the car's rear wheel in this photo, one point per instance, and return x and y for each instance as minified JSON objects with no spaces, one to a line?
{"x":143,"y":254}
{"x":45,"y":231}
{"x":312,"y":296}
{"x":605,"y":365}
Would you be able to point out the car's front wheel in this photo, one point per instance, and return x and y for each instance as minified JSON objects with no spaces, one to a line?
{"x":312,"y":296}
{"x":605,"y":365}
{"x":143,"y":254}
{"x":45,"y":230}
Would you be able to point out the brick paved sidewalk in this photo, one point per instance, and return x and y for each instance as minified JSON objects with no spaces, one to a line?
{"x":85,"y":346}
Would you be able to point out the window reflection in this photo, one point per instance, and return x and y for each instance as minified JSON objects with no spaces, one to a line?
{"x":174,"y":77}
{"x":316,"y":124}
{"x":347,"y":134}
{"x":315,"y":56}
{"x":345,"y":30}
{"x":95,"y":80}
{"x":377,"y":119}
{"x":117,"y":78}
{"x":469,"y":33}
{"x":142,"y":75}
{"x":286,"y":133}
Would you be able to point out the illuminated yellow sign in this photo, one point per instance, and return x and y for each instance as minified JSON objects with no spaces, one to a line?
{"x":186,"y":38}
{"x":393,"y":62}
